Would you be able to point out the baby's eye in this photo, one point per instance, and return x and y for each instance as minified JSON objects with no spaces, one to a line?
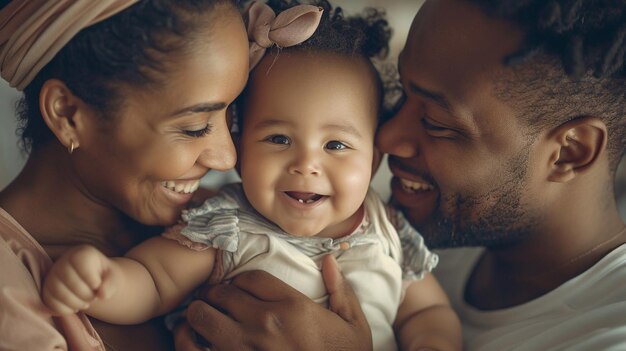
{"x":336,"y":145}
{"x":279,"y":139}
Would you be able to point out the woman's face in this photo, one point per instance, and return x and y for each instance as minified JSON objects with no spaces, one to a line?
{"x":148,"y":162}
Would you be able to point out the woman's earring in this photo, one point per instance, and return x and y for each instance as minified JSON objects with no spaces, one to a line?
{"x":71,"y":148}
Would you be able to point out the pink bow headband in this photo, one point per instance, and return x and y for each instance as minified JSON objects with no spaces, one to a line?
{"x":291,"y":27}
{"x":32,"y":32}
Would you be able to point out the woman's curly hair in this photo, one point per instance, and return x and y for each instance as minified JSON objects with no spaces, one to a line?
{"x":126,"y":49}
{"x":583,"y":43}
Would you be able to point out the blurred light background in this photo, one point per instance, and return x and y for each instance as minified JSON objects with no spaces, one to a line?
{"x":400,"y":14}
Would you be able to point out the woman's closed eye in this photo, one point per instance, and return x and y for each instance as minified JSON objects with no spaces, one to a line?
{"x":198,"y":133}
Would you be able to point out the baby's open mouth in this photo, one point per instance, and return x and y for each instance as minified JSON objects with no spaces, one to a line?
{"x":304,"y":198}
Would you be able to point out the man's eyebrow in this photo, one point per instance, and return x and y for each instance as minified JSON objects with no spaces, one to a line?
{"x":201,"y":107}
{"x":437,"y":98}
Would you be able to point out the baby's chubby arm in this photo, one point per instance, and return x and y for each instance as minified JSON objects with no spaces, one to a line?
{"x":425,"y":319}
{"x":151,"y":280}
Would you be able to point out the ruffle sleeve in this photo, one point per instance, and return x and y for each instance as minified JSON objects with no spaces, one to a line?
{"x":417,"y":259}
{"x":214,"y":224}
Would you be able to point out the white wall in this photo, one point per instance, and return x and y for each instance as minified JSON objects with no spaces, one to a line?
{"x":11,"y":160}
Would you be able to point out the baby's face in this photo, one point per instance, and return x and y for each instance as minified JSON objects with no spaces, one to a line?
{"x":308,"y":141}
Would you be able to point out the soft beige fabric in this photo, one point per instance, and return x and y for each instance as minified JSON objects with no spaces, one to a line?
{"x":33,"y":31}
{"x":373,"y":270}
{"x":25,"y":323}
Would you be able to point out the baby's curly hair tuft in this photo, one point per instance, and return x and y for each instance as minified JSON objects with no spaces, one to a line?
{"x":366,"y":35}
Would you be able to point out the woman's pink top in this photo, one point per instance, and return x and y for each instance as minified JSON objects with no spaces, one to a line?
{"x":25,"y":323}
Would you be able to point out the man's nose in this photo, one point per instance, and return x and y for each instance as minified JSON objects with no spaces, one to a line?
{"x":400,"y":135}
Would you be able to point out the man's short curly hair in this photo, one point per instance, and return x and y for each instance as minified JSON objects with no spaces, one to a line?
{"x":577,"y":55}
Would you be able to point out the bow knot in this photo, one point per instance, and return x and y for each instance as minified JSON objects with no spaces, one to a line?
{"x":291,"y":27}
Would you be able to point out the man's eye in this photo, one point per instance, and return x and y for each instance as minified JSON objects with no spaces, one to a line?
{"x":279,"y":139}
{"x":429,"y":126}
{"x":199,"y":132}
{"x":336,"y":145}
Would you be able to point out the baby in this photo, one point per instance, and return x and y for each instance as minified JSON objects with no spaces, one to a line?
{"x":307,"y":122}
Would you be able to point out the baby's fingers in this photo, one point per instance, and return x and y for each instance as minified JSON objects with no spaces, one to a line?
{"x":60,"y":299}
{"x":105,"y":290}
{"x":87,"y":265}
{"x":83,"y":285}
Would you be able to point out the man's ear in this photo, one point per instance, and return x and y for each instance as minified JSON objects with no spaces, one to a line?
{"x":577,"y":146}
{"x":62,"y":111}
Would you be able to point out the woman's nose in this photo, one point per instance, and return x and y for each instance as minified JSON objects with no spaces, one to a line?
{"x":219,"y":152}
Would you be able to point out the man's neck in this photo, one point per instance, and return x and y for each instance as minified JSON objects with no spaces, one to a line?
{"x":506,"y":277}
{"x":54,"y":208}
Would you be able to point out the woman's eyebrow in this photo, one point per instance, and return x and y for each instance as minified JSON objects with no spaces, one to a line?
{"x":199,"y":108}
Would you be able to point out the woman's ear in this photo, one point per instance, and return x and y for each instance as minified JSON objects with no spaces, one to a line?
{"x":63,"y":112}
{"x":577,"y":147}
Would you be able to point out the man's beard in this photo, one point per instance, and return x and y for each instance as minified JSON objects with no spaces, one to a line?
{"x":496,"y":219}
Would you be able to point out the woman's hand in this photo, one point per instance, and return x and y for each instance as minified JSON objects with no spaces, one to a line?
{"x":257,"y":311}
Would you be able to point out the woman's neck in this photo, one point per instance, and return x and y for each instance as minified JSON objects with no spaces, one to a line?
{"x":53,"y":207}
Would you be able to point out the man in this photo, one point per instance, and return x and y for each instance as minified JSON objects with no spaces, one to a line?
{"x":508,"y":139}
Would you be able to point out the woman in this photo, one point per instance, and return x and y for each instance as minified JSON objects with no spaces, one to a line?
{"x":123,"y":112}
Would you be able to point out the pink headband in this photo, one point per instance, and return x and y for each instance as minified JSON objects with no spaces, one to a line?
{"x":32,"y":32}
{"x":291,"y":27}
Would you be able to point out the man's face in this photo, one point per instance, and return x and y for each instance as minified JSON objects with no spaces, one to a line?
{"x":461,"y":158}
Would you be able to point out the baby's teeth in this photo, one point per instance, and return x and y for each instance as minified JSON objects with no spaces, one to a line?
{"x":301,"y":201}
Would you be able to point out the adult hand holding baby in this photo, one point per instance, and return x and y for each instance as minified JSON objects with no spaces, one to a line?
{"x":246,"y":299}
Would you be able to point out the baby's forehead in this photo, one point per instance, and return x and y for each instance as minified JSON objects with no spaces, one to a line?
{"x":291,"y":66}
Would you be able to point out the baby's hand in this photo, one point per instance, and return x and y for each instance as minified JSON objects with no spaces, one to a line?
{"x":77,"y":279}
